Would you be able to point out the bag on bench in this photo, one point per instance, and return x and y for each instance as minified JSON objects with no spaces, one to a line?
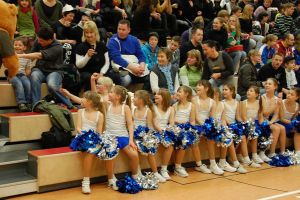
{"x":56,"y":138}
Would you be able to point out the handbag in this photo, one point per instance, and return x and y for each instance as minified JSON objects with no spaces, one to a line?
{"x":55,"y":138}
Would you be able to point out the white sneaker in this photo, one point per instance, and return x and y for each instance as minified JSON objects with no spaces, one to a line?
{"x":203,"y":168}
{"x":165,"y":174}
{"x":113,"y":184}
{"x":241,"y":169}
{"x":85,"y":187}
{"x":253,"y":164}
{"x":216,"y":170}
{"x":226,"y":167}
{"x":257,"y":160}
{"x":180,"y":171}
{"x":263,"y":156}
{"x":160,"y":178}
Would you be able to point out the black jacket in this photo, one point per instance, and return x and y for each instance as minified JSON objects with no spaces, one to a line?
{"x":219,"y":36}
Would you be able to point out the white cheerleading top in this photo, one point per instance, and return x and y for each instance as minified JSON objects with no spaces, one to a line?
{"x":230,"y":112}
{"x":288,"y":115}
{"x":88,"y":124}
{"x":183,"y":116}
{"x":269,"y":105}
{"x":251,"y":113}
{"x":162,"y":119}
{"x":116,"y":123}
{"x":204,"y":113}
{"x":140,"y":121}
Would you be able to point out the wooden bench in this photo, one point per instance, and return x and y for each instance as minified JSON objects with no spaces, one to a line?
{"x":8,"y":98}
{"x":26,"y":126}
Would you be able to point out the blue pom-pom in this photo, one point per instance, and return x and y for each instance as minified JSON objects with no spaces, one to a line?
{"x":281,"y":161}
{"x":108,"y":147}
{"x":185,"y":136}
{"x":128,"y":185}
{"x":296,"y":124}
{"x":86,"y":141}
{"x":168,"y":137}
{"x":237,"y":129}
{"x":147,"y":140}
{"x":265,"y":138}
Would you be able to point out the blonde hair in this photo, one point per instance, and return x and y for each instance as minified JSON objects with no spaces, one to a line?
{"x":246,"y":14}
{"x":187,"y":90}
{"x":145,"y":97}
{"x":90,"y":25}
{"x":270,"y":37}
{"x":196,"y":54}
{"x":103,"y":80}
{"x":123,"y":93}
{"x":95,"y":98}
{"x":237,"y":26}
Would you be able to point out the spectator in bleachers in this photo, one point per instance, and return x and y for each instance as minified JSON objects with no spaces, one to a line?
{"x":263,"y":8}
{"x":49,"y":55}
{"x":174,"y":47}
{"x":27,"y":21}
{"x":285,"y":46}
{"x":260,"y":28}
{"x":77,"y":30}
{"x":194,"y":43}
{"x":289,"y":65}
{"x":285,"y":24}
{"x":243,"y":3}
{"x":190,"y":9}
{"x":228,"y":5}
{"x":63,"y":33}
{"x":248,"y":74}
{"x":48,"y":11}
{"x":73,"y":3}
{"x":191,"y":72}
{"x":274,"y":70}
{"x":91,"y":55}
{"x":187,"y":34}
{"x":222,"y":14}
{"x":218,"y":65}
{"x":164,"y":75}
{"x":93,"y":8}
{"x":217,"y":33}
{"x":125,"y":52}
{"x":150,"y":50}
{"x":177,"y":10}
{"x":296,"y":50}
{"x":234,"y":47}
{"x":268,"y":50}
{"x":21,"y":81}
{"x":236,"y":11}
{"x":246,"y":21}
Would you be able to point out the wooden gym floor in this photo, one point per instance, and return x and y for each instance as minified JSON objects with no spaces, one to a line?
{"x":263,"y":183}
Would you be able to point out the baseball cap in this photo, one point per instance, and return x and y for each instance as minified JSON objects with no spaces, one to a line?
{"x":67,"y":8}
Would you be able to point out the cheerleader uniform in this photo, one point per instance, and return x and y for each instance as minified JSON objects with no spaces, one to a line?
{"x":140,"y":121}
{"x":162,"y":119}
{"x":288,"y":115}
{"x":116,"y":126}
{"x":268,"y":107}
{"x":88,"y":124}
{"x":251,"y":113}
{"x":183,"y":116}
{"x":202,"y":113}
{"x":230,"y":112}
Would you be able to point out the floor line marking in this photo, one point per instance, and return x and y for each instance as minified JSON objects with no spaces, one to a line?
{"x":280,"y":195}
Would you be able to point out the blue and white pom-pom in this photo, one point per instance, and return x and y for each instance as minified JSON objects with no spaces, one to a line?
{"x":168,"y":137}
{"x":251,"y":131}
{"x":148,"y":181}
{"x":295,"y":158}
{"x":281,"y":161}
{"x":225,"y":138}
{"x":185,"y":136}
{"x":108,"y":147}
{"x":265,"y":139}
{"x":128,"y":185}
{"x":296,"y":124}
{"x":86,"y":141}
{"x":237,"y":129}
{"x":146,"y":140}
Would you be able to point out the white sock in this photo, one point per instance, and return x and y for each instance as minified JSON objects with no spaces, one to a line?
{"x":134,"y":176}
{"x":111,"y":181}
{"x":297,"y":152}
{"x":271,"y":155}
{"x":212,"y":162}
{"x":177,"y":166}
{"x":222,"y":161}
{"x":254,"y":155}
{"x":247,"y":159}
{"x":199,"y":163}
{"x":86,"y":178}
{"x":164,"y":167}
{"x":236,"y":164}
{"x":156,"y":173}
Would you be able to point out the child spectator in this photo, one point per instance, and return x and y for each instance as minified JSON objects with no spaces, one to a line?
{"x":174,"y":47}
{"x":150,"y":50}
{"x":289,"y":64}
{"x":268,"y":50}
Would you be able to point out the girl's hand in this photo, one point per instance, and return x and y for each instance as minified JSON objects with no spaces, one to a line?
{"x":64,"y":92}
{"x":233,"y":43}
{"x":132,"y":145}
{"x":90,"y":52}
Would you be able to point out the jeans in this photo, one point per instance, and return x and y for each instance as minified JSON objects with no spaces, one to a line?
{"x":21,"y":84}
{"x":237,"y":57}
{"x":54,"y":82}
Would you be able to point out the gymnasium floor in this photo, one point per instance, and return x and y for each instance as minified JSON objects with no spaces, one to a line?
{"x":263,"y":183}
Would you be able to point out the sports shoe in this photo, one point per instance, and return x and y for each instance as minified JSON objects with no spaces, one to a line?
{"x":164,"y":173}
{"x":257,"y":159}
{"x":180,"y":171}
{"x":113,"y":184}
{"x":253,"y":164}
{"x":216,"y":170}
{"x":263,"y":156}
{"x":23,"y":108}
{"x":241,"y":169}
{"x":226,"y":167}
{"x":85,"y":187}
{"x":240,"y":158}
{"x":203,"y":168}
{"x":160,"y":178}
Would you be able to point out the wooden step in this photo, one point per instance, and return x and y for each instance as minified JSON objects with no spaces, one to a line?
{"x":9,"y":99}
{"x":26,"y":126}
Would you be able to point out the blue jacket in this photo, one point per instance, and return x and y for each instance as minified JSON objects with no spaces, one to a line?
{"x":297,"y":56}
{"x":129,"y":46}
{"x":151,"y":57}
{"x":266,"y":54}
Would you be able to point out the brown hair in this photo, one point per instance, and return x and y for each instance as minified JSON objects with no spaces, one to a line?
{"x":24,"y":40}
{"x":269,"y":37}
{"x":275,"y":82}
{"x":166,"y":98}
{"x":123,"y":93}
{"x":166,"y":51}
{"x":297,"y":91}
{"x":231,"y":87}
{"x":196,"y":54}
{"x":207,"y":84}
{"x":145,"y":97}
{"x":223,"y":13}
{"x":177,"y":39}
{"x":255,"y":88}
{"x":217,"y":90}
{"x":187,"y":90}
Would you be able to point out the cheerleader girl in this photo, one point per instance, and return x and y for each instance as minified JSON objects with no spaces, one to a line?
{"x":249,"y":112}
{"x":269,"y":110}
{"x":143,"y":116}
{"x":288,"y":110}
{"x":219,"y":105}
{"x":185,"y":112}
{"x":164,"y":116}
{"x":205,"y":108}
{"x":231,"y":114}
{"x":119,"y":124}
{"x":89,"y":118}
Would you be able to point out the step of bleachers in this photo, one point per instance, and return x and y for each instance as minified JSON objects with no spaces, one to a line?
{"x":9,"y":99}
{"x":26,"y":126}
